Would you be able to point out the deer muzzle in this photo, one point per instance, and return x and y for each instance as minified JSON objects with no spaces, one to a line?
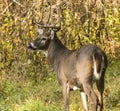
{"x":31,"y":46}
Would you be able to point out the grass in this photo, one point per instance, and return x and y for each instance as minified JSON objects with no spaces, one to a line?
{"x":46,"y":94}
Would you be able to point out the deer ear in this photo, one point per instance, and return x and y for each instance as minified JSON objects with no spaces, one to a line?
{"x":40,"y":31}
{"x":52,"y":34}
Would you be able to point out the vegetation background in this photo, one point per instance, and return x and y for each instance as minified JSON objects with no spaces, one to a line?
{"x":27,"y":83}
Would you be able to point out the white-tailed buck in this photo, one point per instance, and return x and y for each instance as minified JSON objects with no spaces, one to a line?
{"x":75,"y":69}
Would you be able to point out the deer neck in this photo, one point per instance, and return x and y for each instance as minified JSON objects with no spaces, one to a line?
{"x":55,"y":50}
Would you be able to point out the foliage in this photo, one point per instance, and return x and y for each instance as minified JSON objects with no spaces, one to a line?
{"x":25,"y":74}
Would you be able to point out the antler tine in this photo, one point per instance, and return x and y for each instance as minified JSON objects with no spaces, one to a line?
{"x":56,"y":28}
{"x":47,"y":18}
{"x":49,"y":12}
{"x":42,"y":11}
{"x":58,"y":14}
{"x":57,"y":7}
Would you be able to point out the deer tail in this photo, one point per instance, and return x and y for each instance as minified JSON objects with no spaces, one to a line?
{"x":97,"y":65}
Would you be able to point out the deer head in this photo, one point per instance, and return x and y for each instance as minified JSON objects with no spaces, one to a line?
{"x":42,"y":42}
{"x":46,"y":32}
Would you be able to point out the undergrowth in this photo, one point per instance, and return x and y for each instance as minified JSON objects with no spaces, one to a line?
{"x":46,"y":94}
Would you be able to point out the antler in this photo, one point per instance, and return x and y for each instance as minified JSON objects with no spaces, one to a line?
{"x":42,"y":11}
{"x":58,"y":14}
{"x":50,"y":16}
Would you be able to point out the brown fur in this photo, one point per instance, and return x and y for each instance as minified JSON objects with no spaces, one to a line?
{"x":75,"y":67}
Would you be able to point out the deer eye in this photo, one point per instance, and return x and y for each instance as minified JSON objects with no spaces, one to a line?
{"x":43,"y":40}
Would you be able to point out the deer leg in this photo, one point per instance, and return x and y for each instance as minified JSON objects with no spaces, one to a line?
{"x":84,"y":100}
{"x":100,"y":87}
{"x":66,"y":94}
{"x":91,"y":94}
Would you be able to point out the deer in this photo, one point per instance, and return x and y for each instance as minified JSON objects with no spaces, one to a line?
{"x":75,"y":69}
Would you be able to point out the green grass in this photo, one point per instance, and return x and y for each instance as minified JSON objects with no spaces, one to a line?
{"x":46,"y":95}
{"x":112,"y":89}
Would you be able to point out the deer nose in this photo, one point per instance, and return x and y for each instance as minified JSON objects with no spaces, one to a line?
{"x":31,"y":46}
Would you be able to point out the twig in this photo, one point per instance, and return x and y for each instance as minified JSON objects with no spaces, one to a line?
{"x":7,"y":7}
{"x":18,"y":3}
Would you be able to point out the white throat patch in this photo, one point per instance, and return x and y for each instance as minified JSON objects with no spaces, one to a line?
{"x":46,"y":53}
